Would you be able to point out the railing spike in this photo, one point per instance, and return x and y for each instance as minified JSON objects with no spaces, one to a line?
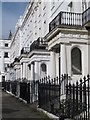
{"x":84,"y":78}
{"x":52,"y":81}
{"x":88,"y":76}
{"x":80,"y":80}
{"x":77,"y":83}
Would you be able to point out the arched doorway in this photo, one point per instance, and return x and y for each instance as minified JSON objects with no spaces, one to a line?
{"x":76,"y":60}
{"x":43,"y":70}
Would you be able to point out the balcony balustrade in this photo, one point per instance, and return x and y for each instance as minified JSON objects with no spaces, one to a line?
{"x":86,"y":17}
{"x":66,"y":19}
{"x":38,"y":44}
{"x":25,"y":50}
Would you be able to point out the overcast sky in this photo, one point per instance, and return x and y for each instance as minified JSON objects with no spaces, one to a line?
{"x":10,"y":14}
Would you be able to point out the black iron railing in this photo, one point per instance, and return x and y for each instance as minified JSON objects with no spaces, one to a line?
{"x":49,"y":91}
{"x":86,"y":16}
{"x":78,"y":100}
{"x":75,"y":103}
{"x":38,"y":44}
{"x":27,"y":91}
{"x":66,"y":18}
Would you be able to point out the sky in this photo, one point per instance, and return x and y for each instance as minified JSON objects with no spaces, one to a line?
{"x":10,"y":14}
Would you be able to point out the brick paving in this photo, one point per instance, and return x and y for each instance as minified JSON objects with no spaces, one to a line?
{"x":14,"y":109}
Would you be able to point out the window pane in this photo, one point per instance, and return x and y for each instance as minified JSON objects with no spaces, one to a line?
{"x":6,"y":44}
{"x":6,"y":54}
{"x":76,"y":61}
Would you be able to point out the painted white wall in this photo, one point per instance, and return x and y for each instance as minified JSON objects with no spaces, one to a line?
{"x":37,"y":25}
{"x":4,"y":60}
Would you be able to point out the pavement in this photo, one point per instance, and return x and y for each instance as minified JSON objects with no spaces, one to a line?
{"x":14,"y":109}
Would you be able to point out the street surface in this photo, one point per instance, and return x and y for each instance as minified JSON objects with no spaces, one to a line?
{"x":14,"y":109}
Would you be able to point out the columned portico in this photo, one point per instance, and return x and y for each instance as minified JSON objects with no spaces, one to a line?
{"x":63,"y":59}
{"x":52,"y":64}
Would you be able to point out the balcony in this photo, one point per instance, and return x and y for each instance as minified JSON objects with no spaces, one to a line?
{"x":66,"y":19}
{"x":86,"y":18}
{"x":38,"y":44}
{"x":25,"y":50}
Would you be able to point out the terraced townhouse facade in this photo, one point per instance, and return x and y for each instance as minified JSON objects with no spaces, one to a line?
{"x":51,"y":38}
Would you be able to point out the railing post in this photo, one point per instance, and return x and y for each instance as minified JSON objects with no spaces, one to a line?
{"x":77,"y":103}
{"x":73,"y":110}
{"x":85,"y":98}
{"x":88,"y":78}
{"x":80,"y":95}
{"x":39,"y":95}
{"x":69,"y":101}
{"x":50,"y":95}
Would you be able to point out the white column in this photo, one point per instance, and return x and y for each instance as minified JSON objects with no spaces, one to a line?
{"x":88,"y":52}
{"x":63,"y":59}
{"x":8,"y":74}
{"x":52,"y":64}
{"x":17,"y":73}
{"x":69,"y":60}
{"x":36,"y":70}
{"x":24,"y":70}
{"x":48,"y":68}
{"x":21,"y":71}
{"x":57,"y":64}
{"x":32,"y":71}
{"x":88,"y":59}
{"x":29,"y":72}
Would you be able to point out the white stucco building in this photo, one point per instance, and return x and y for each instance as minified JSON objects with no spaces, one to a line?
{"x":4,"y":59}
{"x":51,"y":39}
{"x":68,"y":39}
{"x":28,"y":46}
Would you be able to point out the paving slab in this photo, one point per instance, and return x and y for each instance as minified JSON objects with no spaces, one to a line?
{"x":14,"y":109}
